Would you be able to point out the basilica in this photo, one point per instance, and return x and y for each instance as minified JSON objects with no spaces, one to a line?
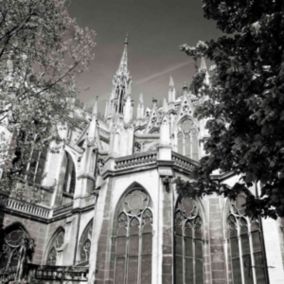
{"x":102,"y":206}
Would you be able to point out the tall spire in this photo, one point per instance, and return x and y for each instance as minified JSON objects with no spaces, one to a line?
{"x":121,"y":84}
{"x":123,"y":66}
{"x":171,"y":82}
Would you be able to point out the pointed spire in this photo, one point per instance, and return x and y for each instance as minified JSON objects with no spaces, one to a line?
{"x":123,"y":66}
{"x":141,"y":98}
{"x":121,"y":84}
{"x":171,"y":83}
{"x":172,"y":90}
{"x":126,"y":39}
{"x":165,"y":106}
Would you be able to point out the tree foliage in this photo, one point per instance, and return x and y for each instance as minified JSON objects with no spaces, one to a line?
{"x":244,"y":103}
{"x":41,"y":49}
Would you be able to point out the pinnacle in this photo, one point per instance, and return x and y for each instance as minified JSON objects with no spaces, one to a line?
{"x":171,"y":82}
{"x":141,"y":99}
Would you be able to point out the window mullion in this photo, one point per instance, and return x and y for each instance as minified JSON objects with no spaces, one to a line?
{"x":126,"y":251}
{"x":240,"y":251}
{"x":251,"y":253}
{"x":194,"y":255}
{"x":140,"y":251}
{"x":183,"y":252}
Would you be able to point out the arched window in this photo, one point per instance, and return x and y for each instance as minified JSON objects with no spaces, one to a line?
{"x":132,"y":238}
{"x":56,"y":243}
{"x":35,"y":165}
{"x":245,"y":246}
{"x":69,"y":174}
{"x":30,"y":157}
{"x":188,"y":243}
{"x":187,"y":139}
{"x":10,"y":245}
{"x":85,"y":243}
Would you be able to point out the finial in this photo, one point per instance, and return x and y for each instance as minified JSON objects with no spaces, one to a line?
{"x":126,"y":39}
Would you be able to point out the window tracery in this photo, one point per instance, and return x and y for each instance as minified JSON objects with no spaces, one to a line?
{"x":245,"y":246}
{"x":56,"y":243}
{"x":12,"y":240}
{"x":132,"y":238}
{"x":188,"y":243}
{"x":85,"y":243}
{"x":187,"y":139}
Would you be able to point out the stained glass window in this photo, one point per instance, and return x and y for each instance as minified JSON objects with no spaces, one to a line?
{"x":70,"y":174}
{"x":85,"y":243}
{"x":9,"y":250}
{"x":132,"y":237}
{"x":245,"y":246}
{"x":55,"y":243}
{"x":187,"y":139}
{"x":188,"y":243}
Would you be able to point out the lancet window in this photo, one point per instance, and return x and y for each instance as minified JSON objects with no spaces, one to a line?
{"x":69,"y":174}
{"x":85,"y":243}
{"x":132,"y":238}
{"x":188,"y":243}
{"x":187,"y":139}
{"x":245,"y":246}
{"x":55,"y":245}
{"x":30,"y":158}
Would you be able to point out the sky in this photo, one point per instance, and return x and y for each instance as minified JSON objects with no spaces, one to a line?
{"x":156,"y":29}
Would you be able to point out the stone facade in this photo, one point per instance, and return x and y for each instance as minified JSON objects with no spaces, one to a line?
{"x":108,"y":202}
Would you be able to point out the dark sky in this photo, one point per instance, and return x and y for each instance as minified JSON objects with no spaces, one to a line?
{"x":156,"y":29}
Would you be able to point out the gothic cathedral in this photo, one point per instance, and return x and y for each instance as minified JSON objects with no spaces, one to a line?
{"x":102,"y":206}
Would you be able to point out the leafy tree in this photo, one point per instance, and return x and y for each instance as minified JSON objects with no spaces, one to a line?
{"x":41,"y":49}
{"x":244,"y":103}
